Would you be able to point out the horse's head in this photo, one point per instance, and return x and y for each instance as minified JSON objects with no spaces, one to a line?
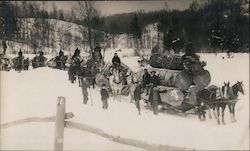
{"x":117,"y":75}
{"x":238,"y":87}
{"x":225,"y":89}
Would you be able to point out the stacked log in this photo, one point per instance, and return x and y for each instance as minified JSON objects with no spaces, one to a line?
{"x":202,"y":79}
{"x":169,"y":95}
{"x":172,"y":78}
{"x":173,"y":62}
{"x":177,"y":83}
{"x":169,"y":61}
{"x":172,"y":95}
{"x":191,"y":67}
{"x":155,"y":61}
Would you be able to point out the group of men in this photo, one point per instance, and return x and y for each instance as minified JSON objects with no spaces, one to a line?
{"x":149,"y":84}
{"x":104,"y":92}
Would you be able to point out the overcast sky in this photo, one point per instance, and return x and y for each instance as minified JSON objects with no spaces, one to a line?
{"x":117,"y":7}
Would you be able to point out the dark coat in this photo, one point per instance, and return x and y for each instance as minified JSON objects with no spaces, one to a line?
{"x":154,"y":95}
{"x":137,"y":92}
{"x":97,"y":49}
{"x":104,"y":94}
{"x":84,"y":87}
{"x":146,"y":78}
{"x":155,"y":80}
{"x":116,"y":60}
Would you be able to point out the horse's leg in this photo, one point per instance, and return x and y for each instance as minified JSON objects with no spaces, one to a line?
{"x":114,"y":93}
{"x":139,"y":107}
{"x":119,"y":94}
{"x":230,"y":107}
{"x":209,"y":112}
{"x":131,"y":97}
{"x":222,"y":112}
{"x":233,"y":107}
{"x":218,"y":113}
{"x":79,"y":81}
{"x":215,"y":115}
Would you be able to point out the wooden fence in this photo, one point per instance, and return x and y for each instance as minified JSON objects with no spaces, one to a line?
{"x":61,"y":122}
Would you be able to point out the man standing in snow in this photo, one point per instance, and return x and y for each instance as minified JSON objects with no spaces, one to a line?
{"x":20,"y":58}
{"x":105,"y":96}
{"x":154,"y":96}
{"x":137,"y":97}
{"x":146,"y":80}
{"x":85,"y":90}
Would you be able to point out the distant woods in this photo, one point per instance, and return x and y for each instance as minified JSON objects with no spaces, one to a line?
{"x":213,"y":25}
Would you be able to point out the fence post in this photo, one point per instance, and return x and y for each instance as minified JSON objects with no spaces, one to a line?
{"x":59,"y":124}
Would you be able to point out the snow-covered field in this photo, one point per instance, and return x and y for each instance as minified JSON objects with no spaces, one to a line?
{"x":34,"y":93}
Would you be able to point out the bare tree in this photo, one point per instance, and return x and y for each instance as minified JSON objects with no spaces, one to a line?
{"x":86,"y":12}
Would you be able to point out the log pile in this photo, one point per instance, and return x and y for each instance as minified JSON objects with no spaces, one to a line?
{"x":182,"y":77}
{"x":190,"y":67}
{"x":171,"y":78}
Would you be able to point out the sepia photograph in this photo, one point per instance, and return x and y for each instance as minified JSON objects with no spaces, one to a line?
{"x":135,"y":75}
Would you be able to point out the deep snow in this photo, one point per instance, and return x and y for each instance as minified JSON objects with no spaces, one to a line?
{"x":34,"y":93}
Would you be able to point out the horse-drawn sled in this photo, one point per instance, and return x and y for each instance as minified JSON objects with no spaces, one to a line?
{"x":39,"y":61}
{"x":5,"y":63}
{"x":58,"y":62}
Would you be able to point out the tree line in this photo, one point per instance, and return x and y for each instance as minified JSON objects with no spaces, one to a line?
{"x":214,"y":25}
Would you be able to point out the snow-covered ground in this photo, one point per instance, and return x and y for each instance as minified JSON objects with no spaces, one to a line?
{"x":34,"y":93}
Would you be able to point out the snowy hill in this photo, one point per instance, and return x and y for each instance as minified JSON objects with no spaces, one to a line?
{"x":67,"y":36}
{"x":61,"y":34}
{"x":34,"y":94}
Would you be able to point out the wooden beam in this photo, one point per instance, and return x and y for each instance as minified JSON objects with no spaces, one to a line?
{"x":59,"y":124}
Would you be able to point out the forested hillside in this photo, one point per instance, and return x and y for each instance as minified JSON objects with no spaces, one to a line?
{"x":213,"y":25}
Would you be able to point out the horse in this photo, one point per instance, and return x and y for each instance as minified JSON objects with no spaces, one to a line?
{"x":116,"y":83}
{"x":206,"y":98}
{"x":38,"y":61}
{"x":216,"y":98}
{"x":18,"y":63}
{"x":230,"y":93}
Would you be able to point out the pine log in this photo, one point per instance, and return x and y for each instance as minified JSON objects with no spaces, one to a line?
{"x":175,"y":78}
{"x":155,"y":61}
{"x":192,"y":95}
{"x":173,"y":62}
{"x":202,"y":79}
{"x":169,"y":95}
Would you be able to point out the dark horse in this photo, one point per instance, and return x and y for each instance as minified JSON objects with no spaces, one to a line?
{"x":213,"y":98}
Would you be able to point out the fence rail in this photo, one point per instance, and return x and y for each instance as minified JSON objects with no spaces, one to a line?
{"x":58,"y":146}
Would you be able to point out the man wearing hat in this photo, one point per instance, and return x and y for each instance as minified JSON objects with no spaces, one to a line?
{"x":146,"y":78}
{"x":85,"y":90}
{"x":116,"y":60}
{"x":154,"y":95}
{"x":104,"y":96}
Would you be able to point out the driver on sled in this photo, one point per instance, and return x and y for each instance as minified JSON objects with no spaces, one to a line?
{"x":116,"y":61}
